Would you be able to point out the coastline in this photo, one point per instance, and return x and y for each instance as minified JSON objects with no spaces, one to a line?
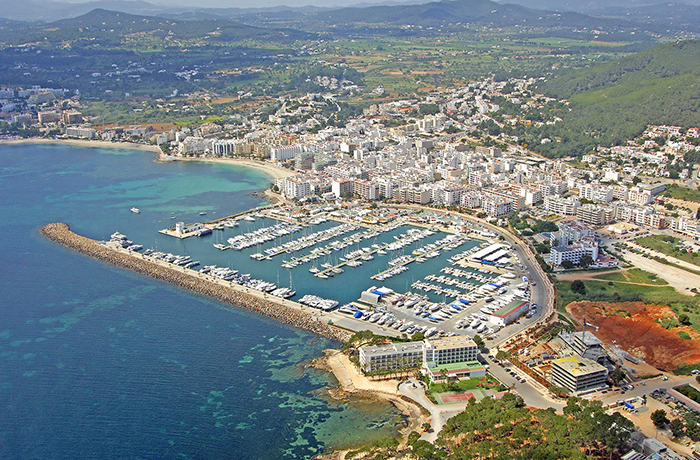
{"x":284,"y":311}
{"x":83,"y":143}
{"x":350,"y":381}
{"x":275,"y":172}
{"x":278,"y":309}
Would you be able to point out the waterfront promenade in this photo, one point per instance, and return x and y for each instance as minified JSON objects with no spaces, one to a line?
{"x":232,"y":294}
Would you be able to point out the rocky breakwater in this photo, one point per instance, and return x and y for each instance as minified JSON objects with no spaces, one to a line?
{"x":191,"y":280}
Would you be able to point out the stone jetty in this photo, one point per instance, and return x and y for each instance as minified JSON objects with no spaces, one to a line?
{"x":235,"y":295}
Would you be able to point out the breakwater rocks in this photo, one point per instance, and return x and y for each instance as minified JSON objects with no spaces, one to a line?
{"x":194,"y":281}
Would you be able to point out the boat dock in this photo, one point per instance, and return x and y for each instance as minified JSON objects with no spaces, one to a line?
{"x":333,"y":246}
{"x":308,"y":241}
{"x":404,"y":261}
{"x":355,"y":260}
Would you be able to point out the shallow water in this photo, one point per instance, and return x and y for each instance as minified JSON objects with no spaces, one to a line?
{"x":97,"y":362}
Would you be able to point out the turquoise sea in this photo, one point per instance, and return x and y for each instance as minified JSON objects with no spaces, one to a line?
{"x":97,"y":362}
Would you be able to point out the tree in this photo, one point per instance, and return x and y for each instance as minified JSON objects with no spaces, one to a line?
{"x":559,"y":391}
{"x":578,"y":287}
{"x":479,"y":341}
{"x":567,"y":264}
{"x":617,"y":376}
{"x":684,"y":319}
{"x":659,"y":418}
{"x":677,"y":427}
{"x":501,"y":355}
{"x":585,"y":261}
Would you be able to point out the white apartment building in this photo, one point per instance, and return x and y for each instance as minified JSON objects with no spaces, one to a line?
{"x":471,"y":199}
{"x":560,"y":205}
{"x":595,"y":215}
{"x":294,"y":187}
{"x":83,"y":133}
{"x":447,"y":194}
{"x":447,"y":350}
{"x":284,"y":153}
{"x":192,"y":145}
{"x":574,"y":252}
{"x":573,"y":230}
{"x":639,"y":197}
{"x":596,"y":192}
{"x":552,"y":188}
{"x":497,"y":207}
{"x":532,"y":197}
{"x":224,"y":147}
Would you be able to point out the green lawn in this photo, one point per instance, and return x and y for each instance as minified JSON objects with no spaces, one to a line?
{"x":485,"y":383}
{"x":634,"y":275}
{"x":682,"y":193}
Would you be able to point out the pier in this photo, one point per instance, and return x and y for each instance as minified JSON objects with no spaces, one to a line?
{"x":333,"y":246}
{"x":410,"y":259}
{"x":362,"y":254}
{"x":272,"y":307}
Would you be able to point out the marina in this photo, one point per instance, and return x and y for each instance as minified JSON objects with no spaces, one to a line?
{"x":453,"y":283}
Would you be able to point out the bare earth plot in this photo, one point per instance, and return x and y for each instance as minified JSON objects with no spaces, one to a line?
{"x":635,"y":327}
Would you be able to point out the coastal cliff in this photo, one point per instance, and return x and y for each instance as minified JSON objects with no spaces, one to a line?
{"x":187,"y":279}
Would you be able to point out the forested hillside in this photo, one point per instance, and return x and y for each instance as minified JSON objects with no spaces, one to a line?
{"x":615,"y":101}
{"x":505,"y":430}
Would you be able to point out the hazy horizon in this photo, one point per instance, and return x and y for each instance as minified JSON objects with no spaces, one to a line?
{"x":257,"y":3}
{"x":566,"y":5}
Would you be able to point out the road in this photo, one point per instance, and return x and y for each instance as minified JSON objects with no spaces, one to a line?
{"x":533,"y":393}
{"x":649,"y":387}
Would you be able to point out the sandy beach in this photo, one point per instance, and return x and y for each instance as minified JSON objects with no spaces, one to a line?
{"x":84,"y":143}
{"x":275,"y":172}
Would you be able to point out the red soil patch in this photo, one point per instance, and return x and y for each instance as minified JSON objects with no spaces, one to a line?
{"x":633,"y":327}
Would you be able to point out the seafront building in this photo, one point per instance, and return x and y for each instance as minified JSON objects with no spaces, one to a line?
{"x":439,"y":357}
{"x":447,"y":350}
{"x":391,"y":356}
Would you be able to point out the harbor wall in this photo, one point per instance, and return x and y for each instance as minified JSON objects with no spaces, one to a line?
{"x":233,"y":295}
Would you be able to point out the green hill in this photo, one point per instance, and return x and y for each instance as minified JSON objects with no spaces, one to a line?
{"x":109,"y":28}
{"x":479,"y":12}
{"x":615,"y":101}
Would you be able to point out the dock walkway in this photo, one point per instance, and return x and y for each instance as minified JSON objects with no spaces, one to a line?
{"x":409,"y":260}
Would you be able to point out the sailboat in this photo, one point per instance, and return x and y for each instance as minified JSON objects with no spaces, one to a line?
{"x":291,"y":292}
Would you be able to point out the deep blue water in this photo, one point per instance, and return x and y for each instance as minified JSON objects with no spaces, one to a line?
{"x":97,"y":362}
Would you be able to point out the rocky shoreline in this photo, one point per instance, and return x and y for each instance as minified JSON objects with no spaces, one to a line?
{"x":232,"y":295}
